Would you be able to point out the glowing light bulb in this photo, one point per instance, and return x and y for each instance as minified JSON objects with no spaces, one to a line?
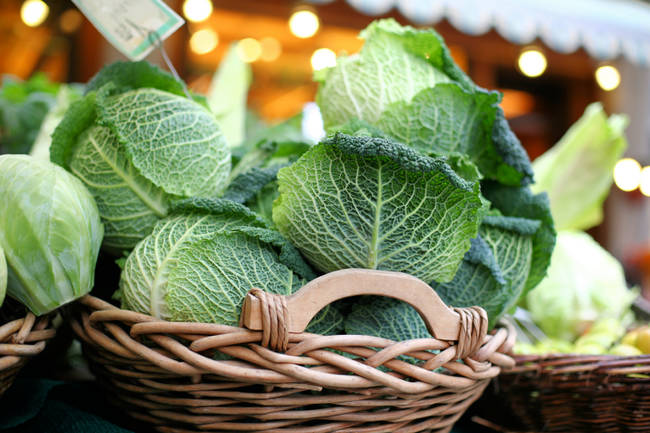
{"x":323,"y":58}
{"x":644,"y":184}
{"x":627,"y":174}
{"x":608,"y":77}
{"x":271,"y":49}
{"x":34,"y":12}
{"x":197,"y":10}
{"x":532,"y":62}
{"x":204,"y":41}
{"x":304,"y":24}
{"x":249,"y":50}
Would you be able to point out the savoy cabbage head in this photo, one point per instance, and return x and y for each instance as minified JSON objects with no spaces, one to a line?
{"x":199,"y":262}
{"x":421,"y":174}
{"x":405,"y":82}
{"x":138,"y":142}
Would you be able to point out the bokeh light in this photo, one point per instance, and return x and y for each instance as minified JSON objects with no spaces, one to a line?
{"x":197,"y":10}
{"x":608,"y":77}
{"x":627,"y":174}
{"x":249,"y":50}
{"x":323,"y":58}
{"x":304,"y":23}
{"x":34,"y":12}
{"x":204,"y":41}
{"x":271,"y":49}
{"x":532,"y":62}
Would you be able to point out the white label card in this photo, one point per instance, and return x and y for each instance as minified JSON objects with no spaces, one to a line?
{"x":134,"y":27}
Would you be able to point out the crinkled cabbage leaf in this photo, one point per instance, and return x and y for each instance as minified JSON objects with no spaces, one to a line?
{"x":365,"y":202}
{"x":198,"y":264}
{"x":3,"y":275}
{"x":138,"y":142}
{"x":405,"y":82}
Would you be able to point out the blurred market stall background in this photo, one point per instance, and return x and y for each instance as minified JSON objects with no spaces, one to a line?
{"x":550,"y":59}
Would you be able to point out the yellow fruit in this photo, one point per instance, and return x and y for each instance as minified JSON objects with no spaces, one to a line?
{"x":625,"y":350}
{"x":630,"y":338}
{"x":643,"y":340}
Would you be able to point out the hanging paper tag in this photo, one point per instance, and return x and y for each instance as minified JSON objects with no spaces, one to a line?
{"x":134,"y":27}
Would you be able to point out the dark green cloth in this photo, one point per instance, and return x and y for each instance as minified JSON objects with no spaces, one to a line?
{"x":48,"y":406}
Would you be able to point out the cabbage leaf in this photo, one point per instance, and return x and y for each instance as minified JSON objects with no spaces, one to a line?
{"x":577,"y":172}
{"x":365,"y":202}
{"x":137,"y":143}
{"x":494,"y":270}
{"x":405,"y":82}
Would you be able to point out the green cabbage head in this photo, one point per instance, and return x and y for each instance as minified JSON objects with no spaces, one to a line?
{"x":138,"y":142}
{"x":50,"y":232}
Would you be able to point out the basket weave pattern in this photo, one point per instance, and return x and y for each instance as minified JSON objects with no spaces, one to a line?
{"x":174,"y":375}
{"x":21,"y":339}
{"x":574,"y":393}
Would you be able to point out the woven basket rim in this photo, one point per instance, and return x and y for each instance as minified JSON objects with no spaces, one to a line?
{"x":567,"y":363}
{"x":186,"y":349}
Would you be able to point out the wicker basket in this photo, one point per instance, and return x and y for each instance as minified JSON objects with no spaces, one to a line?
{"x":279,"y":379}
{"x":571,"y":393}
{"x":21,"y":339}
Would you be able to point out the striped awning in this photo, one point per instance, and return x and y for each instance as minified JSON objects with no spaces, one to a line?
{"x":605,"y":28}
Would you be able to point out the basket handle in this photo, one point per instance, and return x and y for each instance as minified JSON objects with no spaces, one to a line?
{"x":299,"y":308}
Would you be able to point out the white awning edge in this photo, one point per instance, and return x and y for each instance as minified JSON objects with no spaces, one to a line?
{"x":606,"y":29}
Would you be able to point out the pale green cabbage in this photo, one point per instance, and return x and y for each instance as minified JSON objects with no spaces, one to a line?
{"x":138,"y":143}
{"x":584,"y":283}
{"x":577,"y":172}
{"x":50,"y":232}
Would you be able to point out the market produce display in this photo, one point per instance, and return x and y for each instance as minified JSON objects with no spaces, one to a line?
{"x":425,"y":179}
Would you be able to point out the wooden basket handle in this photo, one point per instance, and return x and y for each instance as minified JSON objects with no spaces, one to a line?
{"x":299,"y":308}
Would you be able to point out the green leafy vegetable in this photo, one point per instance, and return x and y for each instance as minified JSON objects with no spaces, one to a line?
{"x":494,"y":270}
{"x":23,"y":105}
{"x":138,"y":143}
{"x":364,"y":202}
{"x":584,"y":284}
{"x":199,"y":262}
{"x":521,"y":202}
{"x":67,"y":95}
{"x":577,"y":172}
{"x":50,"y":232}
{"x":387,"y":318}
{"x":227,"y":96}
{"x":405,"y":82}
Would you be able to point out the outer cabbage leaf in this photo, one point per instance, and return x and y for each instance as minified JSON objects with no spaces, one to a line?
{"x":364,"y":202}
{"x":387,"y":318}
{"x":328,"y":321}
{"x":128,"y":203}
{"x":391,"y":67}
{"x":495,"y":269}
{"x":585,"y":283}
{"x":125,"y":76}
{"x":521,"y":202}
{"x":212,"y":276}
{"x":144,"y":280}
{"x":405,"y":82}
{"x":3,"y":275}
{"x":169,"y":139}
{"x":227,"y":96}
{"x":50,"y":232}
{"x":448,"y":120}
{"x":577,"y":172}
